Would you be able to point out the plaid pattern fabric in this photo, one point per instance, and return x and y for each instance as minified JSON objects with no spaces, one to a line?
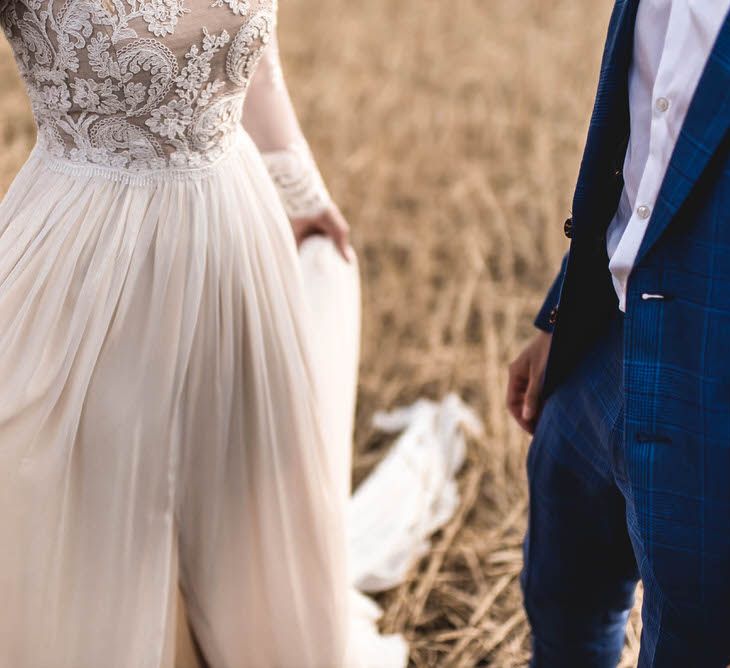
{"x":587,"y":543}
{"x":580,"y":572}
{"x":675,"y":446}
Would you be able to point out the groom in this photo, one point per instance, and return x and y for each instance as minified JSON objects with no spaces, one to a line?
{"x":627,"y":386}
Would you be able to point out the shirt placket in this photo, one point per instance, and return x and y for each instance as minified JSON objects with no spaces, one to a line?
{"x":662,"y":110}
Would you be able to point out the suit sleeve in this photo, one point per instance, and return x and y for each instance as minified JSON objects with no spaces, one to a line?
{"x":542,"y":321}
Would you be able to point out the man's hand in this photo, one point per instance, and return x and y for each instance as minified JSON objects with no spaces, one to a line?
{"x":526,"y":376}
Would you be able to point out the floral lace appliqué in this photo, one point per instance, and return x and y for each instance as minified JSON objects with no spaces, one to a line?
{"x":112,"y":83}
{"x":240,"y":7}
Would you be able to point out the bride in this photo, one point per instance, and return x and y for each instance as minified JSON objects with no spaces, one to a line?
{"x":176,"y":383}
{"x":158,"y":411}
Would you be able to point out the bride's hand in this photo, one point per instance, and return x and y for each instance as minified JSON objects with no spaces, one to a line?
{"x":330,"y":223}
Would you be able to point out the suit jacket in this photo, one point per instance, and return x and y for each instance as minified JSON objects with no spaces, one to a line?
{"x":676,"y":372}
{"x":685,"y":254}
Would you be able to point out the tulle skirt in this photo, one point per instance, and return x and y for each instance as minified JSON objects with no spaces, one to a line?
{"x":160,"y":422}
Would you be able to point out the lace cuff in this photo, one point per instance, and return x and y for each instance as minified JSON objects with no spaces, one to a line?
{"x":298,"y":181}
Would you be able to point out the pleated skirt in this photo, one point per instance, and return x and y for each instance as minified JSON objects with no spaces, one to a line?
{"x":160,"y":423}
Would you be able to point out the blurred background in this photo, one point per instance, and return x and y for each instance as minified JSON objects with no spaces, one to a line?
{"x":450,"y":133}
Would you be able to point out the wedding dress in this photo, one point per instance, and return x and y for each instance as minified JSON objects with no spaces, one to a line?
{"x":159,"y":420}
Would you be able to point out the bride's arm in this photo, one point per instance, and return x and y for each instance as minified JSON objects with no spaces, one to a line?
{"x":270,"y":119}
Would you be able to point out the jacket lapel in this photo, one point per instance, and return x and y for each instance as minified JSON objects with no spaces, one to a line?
{"x":609,"y":126}
{"x":706,"y":125}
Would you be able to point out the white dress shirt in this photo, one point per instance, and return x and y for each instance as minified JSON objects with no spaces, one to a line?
{"x":672,"y":42}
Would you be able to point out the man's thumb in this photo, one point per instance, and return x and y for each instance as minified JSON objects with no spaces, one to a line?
{"x":531,"y":400}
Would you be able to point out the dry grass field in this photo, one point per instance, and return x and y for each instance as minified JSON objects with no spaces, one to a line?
{"x":450,"y":133}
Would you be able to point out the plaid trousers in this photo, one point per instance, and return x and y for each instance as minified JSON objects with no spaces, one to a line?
{"x":586,"y":546}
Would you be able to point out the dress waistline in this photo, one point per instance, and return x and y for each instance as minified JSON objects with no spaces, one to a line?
{"x":137,"y":177}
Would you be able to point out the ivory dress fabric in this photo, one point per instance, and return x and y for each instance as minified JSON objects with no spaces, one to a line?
{"x":159,"y":416}
{"x":412,"y":492}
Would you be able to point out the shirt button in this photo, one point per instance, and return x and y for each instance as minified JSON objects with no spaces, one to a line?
{"x":644,"y":212}
{"x":553,"y":316}
{"x":662,"y":104}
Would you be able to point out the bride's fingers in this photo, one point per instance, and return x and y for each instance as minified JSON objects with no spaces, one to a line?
{"x":331,"y":223}
{"x":338,"y":230}
{"x":304,"y":229}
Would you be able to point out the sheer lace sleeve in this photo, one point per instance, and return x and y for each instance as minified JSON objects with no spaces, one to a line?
{"x":270,"y":119}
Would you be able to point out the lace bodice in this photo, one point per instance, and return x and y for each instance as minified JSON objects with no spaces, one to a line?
{"x":138,"y":83}
{"x":156,"y":84}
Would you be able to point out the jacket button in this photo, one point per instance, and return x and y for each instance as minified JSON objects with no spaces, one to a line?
{"x":568,"y":228}
{"x":553,"y":316}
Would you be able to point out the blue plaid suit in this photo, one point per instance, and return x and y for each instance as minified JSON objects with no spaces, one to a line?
{"x":629,"y":469}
